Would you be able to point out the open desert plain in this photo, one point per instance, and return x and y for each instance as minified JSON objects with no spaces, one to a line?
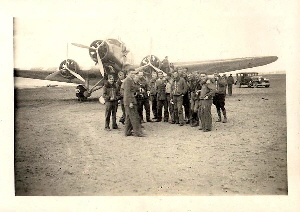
{"x":61,"y":148}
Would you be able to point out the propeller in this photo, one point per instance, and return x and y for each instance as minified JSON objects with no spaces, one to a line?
{"x":66,"y":67}
{"x":53,"y":75}
{"x":84,"y":46}
{"x":99,"y":62}
{"x":74,"y":74}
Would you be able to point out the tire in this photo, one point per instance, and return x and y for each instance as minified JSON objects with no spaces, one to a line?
{"x":267,"y":86}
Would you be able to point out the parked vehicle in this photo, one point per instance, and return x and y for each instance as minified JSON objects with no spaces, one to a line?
{"x":251,"y":79}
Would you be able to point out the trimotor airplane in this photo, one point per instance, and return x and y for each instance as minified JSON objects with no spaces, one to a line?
{"x":110,"y":56}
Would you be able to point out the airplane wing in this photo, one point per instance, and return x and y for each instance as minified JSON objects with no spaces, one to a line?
{"x":43,"y":75}
{"x":226,"y":65}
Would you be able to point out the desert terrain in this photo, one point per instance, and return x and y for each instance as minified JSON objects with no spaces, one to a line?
{"x":62,"y":149}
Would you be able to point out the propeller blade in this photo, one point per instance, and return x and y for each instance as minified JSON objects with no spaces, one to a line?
{"x":100,"y":65}
{"x":157,"y":69}
{"x":84,"y":46}
{"x":144,"y":66}
{"x":75,"y":74}
{"x":52,"y":75}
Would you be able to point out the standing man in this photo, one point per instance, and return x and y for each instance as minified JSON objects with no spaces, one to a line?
{"x":178,"y":89}
{"x":152,"y":86}
{"x":111,"y":96}
{"x":186,"y":98}
{"x":169,"y":82}
{"x":219,"y":98}
{"x":165,"y":65}
{"x":225,"y":77}
{"x":230,"y":82}
{"x":161,"y":98}
{"x":121,"y":77}
{"x":207,"y":92}
{"x":142,"y":97}
{"x":132,"y":120}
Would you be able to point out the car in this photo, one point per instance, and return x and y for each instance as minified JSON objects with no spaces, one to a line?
{"x":251,"y":79}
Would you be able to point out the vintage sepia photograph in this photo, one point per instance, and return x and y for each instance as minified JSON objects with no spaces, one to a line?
{"x":152,"y":99}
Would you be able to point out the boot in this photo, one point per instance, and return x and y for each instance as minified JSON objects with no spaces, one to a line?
{"x":225,"y":117}
{"x":219,"y":116}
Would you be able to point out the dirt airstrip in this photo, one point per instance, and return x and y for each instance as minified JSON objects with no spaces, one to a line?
{"x":61,"y":148}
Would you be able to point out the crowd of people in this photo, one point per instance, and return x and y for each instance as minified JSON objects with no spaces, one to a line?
{"x":178,"y":97}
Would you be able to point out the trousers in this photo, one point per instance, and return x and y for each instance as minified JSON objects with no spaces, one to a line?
{"x":132,"y":121}
{"x":178,"y":111}
{"x":205,"y":114}
{"x":111,"y":110}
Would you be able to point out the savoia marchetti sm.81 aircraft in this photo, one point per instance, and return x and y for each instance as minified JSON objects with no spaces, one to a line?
{"x":110,"y":58}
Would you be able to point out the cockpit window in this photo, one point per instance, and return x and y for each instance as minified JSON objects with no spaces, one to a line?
{"x":115,"y":42}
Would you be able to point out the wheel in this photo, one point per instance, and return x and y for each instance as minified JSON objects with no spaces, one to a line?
{"x":267,"y":86}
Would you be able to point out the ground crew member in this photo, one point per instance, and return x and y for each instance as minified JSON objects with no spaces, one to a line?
{"x":165,"y":65}
{"x":194,"y":100}
{"x":168,"y":93}
{"x":207,"y":92}
{"x":143,"y":98}
{"x":111,"y":97}
{"x":121,"y":77}
{"x":153,"y":99}
{"x":186,"y":97}
{"x":230,"y":82}
{"x":178,"y":89}
{"x":161,"y":98}
{"x":219,"y":98}
{"x":132,"y":120}
{"x":225,"y":77}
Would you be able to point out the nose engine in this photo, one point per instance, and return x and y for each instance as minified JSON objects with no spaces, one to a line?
{"x":102,"y":51}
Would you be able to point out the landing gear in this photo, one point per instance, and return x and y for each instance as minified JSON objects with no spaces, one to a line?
{"x":81,"y":93}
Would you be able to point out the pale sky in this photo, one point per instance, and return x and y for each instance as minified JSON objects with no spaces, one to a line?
{"x":184,"y":31}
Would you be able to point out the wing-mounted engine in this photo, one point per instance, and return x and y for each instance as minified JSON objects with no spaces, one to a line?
{"x":153,"y":60}
{"x":65,"y":67}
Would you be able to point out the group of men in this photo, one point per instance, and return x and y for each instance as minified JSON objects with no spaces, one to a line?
{"x":177,"y":97}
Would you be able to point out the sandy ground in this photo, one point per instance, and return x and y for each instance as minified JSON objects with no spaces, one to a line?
{"x":61,"y":148}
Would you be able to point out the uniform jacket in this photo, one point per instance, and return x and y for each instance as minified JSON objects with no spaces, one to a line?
{"x":178,"y":87}
{"x":220,"y":85}
{"x":208,"y":88}
{"x":110,"y":92}
{"x":152,"y":86}
{"x":230,"y":80}
{"x":129,"y":89}
{"x":161,"y":89}
{"x":143,"y":88}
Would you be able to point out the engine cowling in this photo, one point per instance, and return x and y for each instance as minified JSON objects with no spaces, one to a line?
{"x":70,"y":64}
{"x":102,"y":51}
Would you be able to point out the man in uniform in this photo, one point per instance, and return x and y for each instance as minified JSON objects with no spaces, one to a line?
{"x":219,"y":98}
{"x":178,"y":89}
{"x":165,"y":65}
{"x":207,"y":92}
{"x":225,"y":77}
{"x":132,"y":120}
{"x":152,"y":86}
{"x":161,"y":98}
{"x":230,"y":82}
{"x":121,"y":77}
{"x":169,"y":82}
{"x":186,"y":99}
{"x":142,"y":97}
